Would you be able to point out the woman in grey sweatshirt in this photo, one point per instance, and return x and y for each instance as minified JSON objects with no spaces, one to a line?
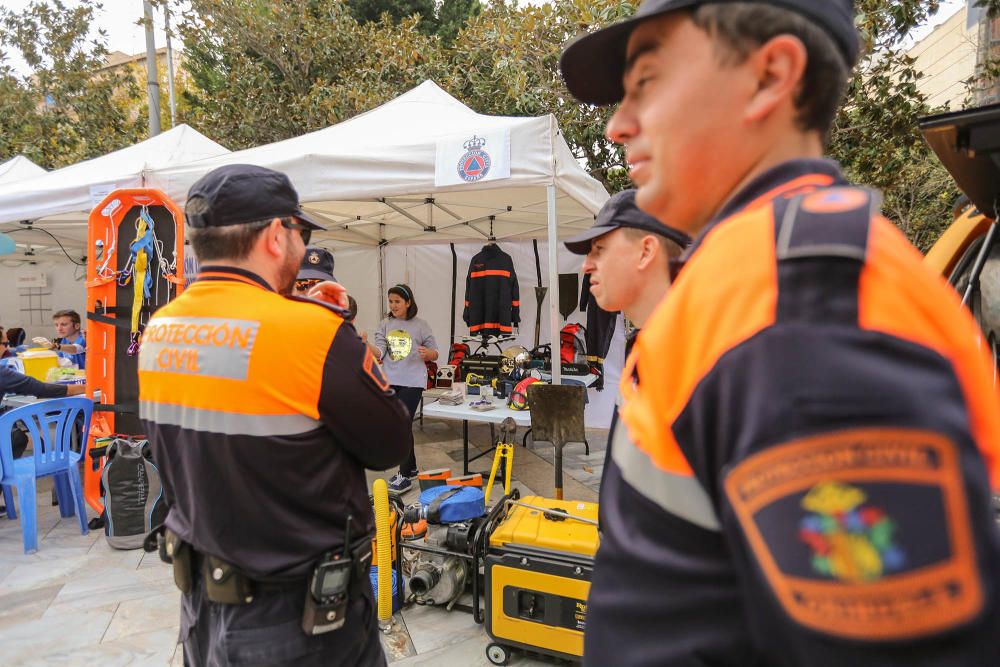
{"x":404,"y":342}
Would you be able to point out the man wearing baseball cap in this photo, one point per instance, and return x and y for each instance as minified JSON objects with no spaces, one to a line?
{"x":628,"y":254}
{"x":263,"y":451}
{"x":808,"y":428}
{"x":317,"y":266}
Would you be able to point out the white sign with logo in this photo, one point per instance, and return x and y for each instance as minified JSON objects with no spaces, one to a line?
{"x":99,"y":192}
{"x":472,"y":158}
{"x":30,"y":279}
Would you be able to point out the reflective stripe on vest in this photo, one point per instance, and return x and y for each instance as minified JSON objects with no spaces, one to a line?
{"x":681,"y":495}
{"x":228,"y":423}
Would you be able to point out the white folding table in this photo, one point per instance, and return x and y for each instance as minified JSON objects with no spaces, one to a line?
{"x":466,"y":414}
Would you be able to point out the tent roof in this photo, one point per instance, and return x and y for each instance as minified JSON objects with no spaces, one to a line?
{"x":61,"y":199}
{"x":372,"y":177}
{"x":18,"y":168}
{"x":368,"y":179}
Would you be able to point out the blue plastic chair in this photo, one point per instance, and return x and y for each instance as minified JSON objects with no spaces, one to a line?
{"x":50,"y":425}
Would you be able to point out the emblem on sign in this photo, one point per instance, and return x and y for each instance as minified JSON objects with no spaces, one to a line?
{"x":475,"y":163}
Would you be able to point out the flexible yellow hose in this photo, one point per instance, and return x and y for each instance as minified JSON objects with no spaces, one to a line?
{"x":380,"y":494}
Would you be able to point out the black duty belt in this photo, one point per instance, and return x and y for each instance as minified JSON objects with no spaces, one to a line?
{"x":227,"y":584}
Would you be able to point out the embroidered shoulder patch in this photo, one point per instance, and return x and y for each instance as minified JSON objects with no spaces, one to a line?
{"x":862,"y":534}
{"x":374,"y":370}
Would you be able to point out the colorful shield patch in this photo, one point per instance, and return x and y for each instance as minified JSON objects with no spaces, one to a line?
{"x":862,"y":534}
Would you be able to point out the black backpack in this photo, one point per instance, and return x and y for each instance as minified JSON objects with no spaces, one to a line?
{"x":133,"y":494}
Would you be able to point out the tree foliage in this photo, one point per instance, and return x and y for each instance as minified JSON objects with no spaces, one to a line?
{"x":505,"y":61}
{"x":265,"y":70}
{"x":876,"y":135}
{"x":445,"y":18}
{"x":305,"y":66}
{"x":268,"y":70}
{"x":68,"y":108}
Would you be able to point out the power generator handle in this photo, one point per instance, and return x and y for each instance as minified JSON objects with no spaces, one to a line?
{"x":554,"y":514}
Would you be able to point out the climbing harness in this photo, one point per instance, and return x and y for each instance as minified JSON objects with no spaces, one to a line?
{"x":137,"y":271}
{"x":144,"y":251}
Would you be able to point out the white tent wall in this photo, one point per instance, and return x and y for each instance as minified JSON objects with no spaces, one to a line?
{"x":357,"y":268}
{"x":427,"y":269}
{"x":32,"y":308}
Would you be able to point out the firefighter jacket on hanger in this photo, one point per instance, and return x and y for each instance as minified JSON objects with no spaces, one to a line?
{"x":600,"y":330}
{"x":492,"y":299}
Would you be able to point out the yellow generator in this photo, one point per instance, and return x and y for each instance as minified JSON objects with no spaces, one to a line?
{"x":538,"y":560}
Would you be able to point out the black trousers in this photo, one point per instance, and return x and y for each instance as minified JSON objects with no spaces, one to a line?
{"x":18,"y":442}
{"x":268,"y":632}
{"x":410,"y":396}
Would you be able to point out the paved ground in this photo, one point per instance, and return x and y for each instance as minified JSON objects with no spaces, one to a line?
{"x":79,"y":602}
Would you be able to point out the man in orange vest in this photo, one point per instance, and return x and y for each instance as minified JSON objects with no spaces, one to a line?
{"x":262,"y":451}
{"x":810,"y":426}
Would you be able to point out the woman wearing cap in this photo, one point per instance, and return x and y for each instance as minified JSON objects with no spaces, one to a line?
{"x":403,"y":343}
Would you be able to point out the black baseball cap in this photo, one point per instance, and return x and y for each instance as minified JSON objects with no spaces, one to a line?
{"x":316,"y":265}
{"x":621,"y":211}
{"x":240,"y":193}
{"x":593,"y":65}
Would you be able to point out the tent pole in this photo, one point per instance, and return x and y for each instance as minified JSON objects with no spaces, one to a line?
{"x":454,"y":295}
{"x":554,"y":316}
{"x":381,"y":272}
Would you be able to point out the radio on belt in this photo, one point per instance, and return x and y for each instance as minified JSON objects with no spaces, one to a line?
{"x":329,"y":590}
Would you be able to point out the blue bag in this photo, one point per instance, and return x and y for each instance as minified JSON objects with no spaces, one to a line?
{"x":451,"y":504}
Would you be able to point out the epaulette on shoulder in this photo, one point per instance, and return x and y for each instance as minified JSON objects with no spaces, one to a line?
{"x":830,"y":222}
{"x":342,"y":312}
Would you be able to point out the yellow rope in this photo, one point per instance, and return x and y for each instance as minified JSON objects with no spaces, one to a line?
{"x":138,"y":277}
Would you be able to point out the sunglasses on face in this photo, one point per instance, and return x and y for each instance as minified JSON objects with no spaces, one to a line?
{"x":307,"y":284}
{"x":304,"y":230}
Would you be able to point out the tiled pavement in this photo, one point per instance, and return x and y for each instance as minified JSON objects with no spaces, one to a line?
{"x":79,"y":602}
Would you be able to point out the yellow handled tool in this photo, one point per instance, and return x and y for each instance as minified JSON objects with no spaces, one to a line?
{"x":505,"y":453}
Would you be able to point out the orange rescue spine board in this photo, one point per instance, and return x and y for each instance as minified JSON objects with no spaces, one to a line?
{"x":104,"y":247}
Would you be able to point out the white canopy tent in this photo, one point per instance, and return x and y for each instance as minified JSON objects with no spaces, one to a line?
{"x":60,"y":201}
{"x":373,"y":178}
{"x":408,"y":173}
{"x":395,"y":175}
{"x":18,"y":168}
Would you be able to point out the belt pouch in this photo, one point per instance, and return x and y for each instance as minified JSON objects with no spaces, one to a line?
{"x":180,"y":555}
{"x":224,"y":584}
